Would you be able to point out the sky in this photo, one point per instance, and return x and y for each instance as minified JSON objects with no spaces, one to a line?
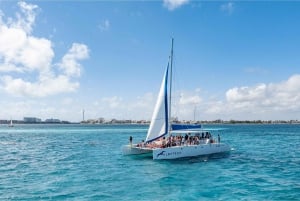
{"x":232,"y":59}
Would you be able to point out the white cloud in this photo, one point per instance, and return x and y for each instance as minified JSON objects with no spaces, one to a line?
{"x":173,"y":4}
{"x":266,"y":99}
{"x":104,"y":25}
{"x":281,"y":96}
{"x":42,"y":108}
{"x":25,"y":21}
{"x":28,"y":56}
{"x":46,"y":87}
{"x":184,"y":104}
{"x":67,"y":101}
{"x":143,"y":102}
{"x":112,"y":102}
{"x":119,"y":104}
{"x":227,"y":7}
{"x":246,"y":94}
{"x":69,"y":62}
{"x":189,"y":99}
{"x":117,"y":107}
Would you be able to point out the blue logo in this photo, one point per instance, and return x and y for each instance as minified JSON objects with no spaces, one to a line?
{"x":161,"y":153}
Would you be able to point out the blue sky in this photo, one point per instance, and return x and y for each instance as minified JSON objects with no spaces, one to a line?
{"x":232,"y":59}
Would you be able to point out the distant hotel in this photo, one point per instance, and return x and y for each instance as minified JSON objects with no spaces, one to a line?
{"x":34,"y":120}
{"x":31,"y":120}
{"x":57,"y":121}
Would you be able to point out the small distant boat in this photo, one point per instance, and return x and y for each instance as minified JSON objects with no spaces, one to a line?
{"x":11,"y":124}
{"x":182,"y":140}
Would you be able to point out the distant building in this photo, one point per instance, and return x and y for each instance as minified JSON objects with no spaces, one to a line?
{"x":4,"y":121}
{"x":28,"y":120}
{"x":52,"y":121}
{"x":101,"y":120}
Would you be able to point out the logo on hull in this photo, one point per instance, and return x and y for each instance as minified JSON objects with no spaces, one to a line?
{"x":161,"y":153}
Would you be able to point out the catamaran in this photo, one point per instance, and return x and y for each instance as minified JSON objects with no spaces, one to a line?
{"x":167,"y":141}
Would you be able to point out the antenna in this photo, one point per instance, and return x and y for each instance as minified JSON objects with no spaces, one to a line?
{"x":83,"y":115}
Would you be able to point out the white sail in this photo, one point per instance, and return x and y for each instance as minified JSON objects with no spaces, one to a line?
{"x":11,"y":123}
{"x":159,"y":121}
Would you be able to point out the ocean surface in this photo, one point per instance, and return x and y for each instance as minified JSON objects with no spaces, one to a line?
{"x":84,"y":162}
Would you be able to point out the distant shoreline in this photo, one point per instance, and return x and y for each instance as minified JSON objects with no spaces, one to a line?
{"x":142,"y":122}
{"x":196,"y":122}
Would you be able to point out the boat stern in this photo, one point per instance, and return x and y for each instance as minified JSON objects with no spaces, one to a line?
{"x":134,"y":150}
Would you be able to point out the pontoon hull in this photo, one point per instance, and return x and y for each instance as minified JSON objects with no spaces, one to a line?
{"x":134,"y":150}
{"x":189,"y":151}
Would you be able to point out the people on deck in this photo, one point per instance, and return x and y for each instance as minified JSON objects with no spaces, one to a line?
{"x":130,"y":140}
{"x":164,"y":143}
{"x":186,"y":137}
{"x":179,"y":140}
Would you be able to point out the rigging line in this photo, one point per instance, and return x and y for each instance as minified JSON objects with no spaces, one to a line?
{"x":170,"y":91}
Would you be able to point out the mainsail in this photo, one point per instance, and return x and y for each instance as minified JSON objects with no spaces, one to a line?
{"x":160,"y":123}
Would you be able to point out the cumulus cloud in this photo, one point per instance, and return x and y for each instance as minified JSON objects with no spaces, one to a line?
{"x":189,"y":99}
{"x":24,"y":55}
{"x":69,"y":63}
{"x":112,"y":102}
{"x":43,"y":109}
{"x":247,"y":94}
{"x":184,"y":104}
{"x":46,"y":87}
{"x":117,"y":107}
{"x":173,"y":4}
{"x":25,"y":20}
{"x":266,"y":98}
{"x":268,"y":101}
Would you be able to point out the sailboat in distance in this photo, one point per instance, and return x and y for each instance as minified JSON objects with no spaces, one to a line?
{"x":167,"y":141}
{"x":11,"y":123}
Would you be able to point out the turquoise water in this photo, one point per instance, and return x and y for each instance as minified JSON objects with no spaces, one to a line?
{"x":76,"y":162}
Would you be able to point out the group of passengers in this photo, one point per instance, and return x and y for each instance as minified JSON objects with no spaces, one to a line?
{"x":180,"y":140}
{"x":188,"y":139}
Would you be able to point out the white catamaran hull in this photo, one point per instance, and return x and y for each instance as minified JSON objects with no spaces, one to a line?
{"x":189,"y":151}
{"x":134,"y":150}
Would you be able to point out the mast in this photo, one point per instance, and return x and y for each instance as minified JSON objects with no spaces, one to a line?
{"x":161,"y":119}
{"x":170,"y":90}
